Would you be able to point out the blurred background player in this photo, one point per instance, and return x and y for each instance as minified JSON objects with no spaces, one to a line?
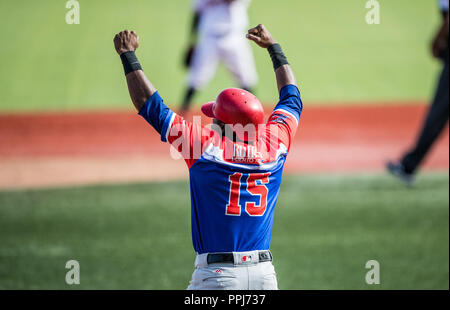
{"x":220,"y":26}
{"x":437,"y":116}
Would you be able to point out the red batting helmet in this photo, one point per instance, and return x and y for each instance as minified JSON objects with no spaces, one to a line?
{"x":236,"y":106}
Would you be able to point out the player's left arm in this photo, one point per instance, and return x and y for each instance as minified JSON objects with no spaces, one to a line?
{"x":286,"y":114}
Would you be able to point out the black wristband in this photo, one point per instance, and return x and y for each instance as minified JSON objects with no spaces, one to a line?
{"x":130,"y":62}
{"x":277,"y":56}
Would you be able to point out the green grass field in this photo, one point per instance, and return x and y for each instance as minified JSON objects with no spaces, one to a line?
{"x":335,"y":54}
{"x":137,"y":236}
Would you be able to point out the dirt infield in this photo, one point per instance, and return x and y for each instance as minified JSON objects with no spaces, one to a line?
{"x":61,"y":149}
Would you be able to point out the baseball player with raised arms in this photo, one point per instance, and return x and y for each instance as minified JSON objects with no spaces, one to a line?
{"x":235,"y":167}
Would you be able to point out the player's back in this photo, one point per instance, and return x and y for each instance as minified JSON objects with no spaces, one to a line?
{"x":234,"y":185}
{"x":233,"y":200}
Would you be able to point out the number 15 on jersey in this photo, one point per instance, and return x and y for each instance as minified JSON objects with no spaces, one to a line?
{"x":253,"y":183}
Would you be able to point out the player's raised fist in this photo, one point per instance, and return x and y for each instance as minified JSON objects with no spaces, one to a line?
{"x":261,"y":36}
{"x":126,"y":41}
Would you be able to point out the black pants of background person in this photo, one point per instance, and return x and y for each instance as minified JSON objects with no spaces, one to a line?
{"x":436,"y":119}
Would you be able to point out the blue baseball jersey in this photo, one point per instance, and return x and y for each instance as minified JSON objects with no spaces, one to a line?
{"x":234,"y":185}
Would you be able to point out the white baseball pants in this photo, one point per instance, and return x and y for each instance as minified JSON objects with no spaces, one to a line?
{"x":251,"y":275}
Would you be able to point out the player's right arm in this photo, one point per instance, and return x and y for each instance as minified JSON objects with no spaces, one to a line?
{"x":286,"y":114}
{"x":188,"y":138}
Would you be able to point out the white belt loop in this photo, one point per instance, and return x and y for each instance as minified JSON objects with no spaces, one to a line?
{"x":201,"y":260}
